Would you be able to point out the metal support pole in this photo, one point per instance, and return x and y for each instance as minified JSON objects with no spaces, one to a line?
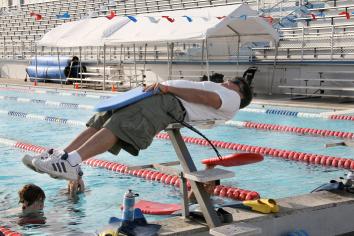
{"x":332,"y":41}
{"x":35,"y":49}
{"x":198,"y":189}
{"x":274,"y":68}
{"x":168,"y":62}
{"x":80,"y":55}
{"x":135,"y":71}
{"x":61,"y":82}
{"x":207,"y":58}
{"x":104,"y":67}
{"x":303,"y":43}
{"x":171,"y":63}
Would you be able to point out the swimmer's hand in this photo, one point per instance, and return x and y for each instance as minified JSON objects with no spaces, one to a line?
{"x":156,"y":87}
{"x":75,"y":187}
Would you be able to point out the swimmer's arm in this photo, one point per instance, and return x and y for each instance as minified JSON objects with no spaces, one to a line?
{"x":190,"y":95}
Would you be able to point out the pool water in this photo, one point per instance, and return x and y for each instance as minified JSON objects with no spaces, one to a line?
{"x":272,"y":178}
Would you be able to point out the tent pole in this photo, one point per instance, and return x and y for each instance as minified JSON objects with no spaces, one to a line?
{"x":171,"y":55}
{"x":203,"y":55}
{"x":238,"y":54}
{"x":207,"y":58}
{"x":168,"y":62}
{"x":61,"y":82}
{"x":144,"y":75}
{"x":35,"y":49}
{"x":104,"y":67}
{"x":80,"y":55}
{"x":135,"y":73}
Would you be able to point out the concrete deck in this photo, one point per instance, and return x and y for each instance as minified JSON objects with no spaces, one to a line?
{"x":321,"y":213}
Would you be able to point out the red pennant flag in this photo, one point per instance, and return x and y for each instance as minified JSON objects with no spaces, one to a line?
{"x":269,"y":19}
{"x":169,"y":19}
{"x":220,"y":17}
{"x":313,"y":16}
{"x":36,"y":16}
{"x":111,"y":15}
{"x":346,"y":14}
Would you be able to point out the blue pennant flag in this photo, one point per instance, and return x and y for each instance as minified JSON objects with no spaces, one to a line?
{"x":64,"y":16}
{"x":132,"y":18}
{"x":244,"y":17}
{"x":188,"y":18}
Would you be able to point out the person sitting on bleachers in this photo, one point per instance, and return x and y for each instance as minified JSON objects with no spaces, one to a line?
{"x":73,"y":70}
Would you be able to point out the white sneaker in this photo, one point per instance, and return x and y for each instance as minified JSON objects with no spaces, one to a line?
{"x":57,"y":166}
{"x":28,"y":159}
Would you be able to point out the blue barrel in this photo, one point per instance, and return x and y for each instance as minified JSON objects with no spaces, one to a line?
{"x":51,"y":61}
{"x":41,"y":72}
{"x":53,"y":72}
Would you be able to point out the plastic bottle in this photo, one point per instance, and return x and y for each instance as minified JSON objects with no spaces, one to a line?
{"x":128,"y":205}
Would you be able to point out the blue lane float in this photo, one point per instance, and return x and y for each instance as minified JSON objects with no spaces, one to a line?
{"x":47,"y":102}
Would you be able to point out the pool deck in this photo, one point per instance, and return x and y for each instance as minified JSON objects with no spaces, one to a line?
{"x":321,"y":213}
{"x":333,"y":104}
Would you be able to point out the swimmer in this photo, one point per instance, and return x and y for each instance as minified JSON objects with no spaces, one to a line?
{"x":31,"y":198}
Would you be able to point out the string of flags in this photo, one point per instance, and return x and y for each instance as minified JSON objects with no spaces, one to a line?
{"x":153,"y":19}
{"x":322,"y":14}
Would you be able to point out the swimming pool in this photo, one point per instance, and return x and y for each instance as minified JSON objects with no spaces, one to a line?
{"x":272,"y":178}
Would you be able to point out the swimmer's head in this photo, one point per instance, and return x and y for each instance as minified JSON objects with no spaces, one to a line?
{"x":32,"y":197}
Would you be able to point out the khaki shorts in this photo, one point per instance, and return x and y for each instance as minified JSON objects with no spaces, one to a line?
{"x":136,"y":125}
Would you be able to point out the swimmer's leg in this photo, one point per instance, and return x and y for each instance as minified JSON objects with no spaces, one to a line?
{"x":99,"y":143}
{"x":81,"y":139}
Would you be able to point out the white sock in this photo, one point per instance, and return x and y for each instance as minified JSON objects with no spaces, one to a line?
{"x":74,"y":158}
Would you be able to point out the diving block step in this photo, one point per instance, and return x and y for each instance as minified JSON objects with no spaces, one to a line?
{"x":204,"y":176}
{"x":237,"y":229}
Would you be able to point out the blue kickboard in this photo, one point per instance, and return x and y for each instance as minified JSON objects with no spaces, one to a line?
{"x":124,"y":99}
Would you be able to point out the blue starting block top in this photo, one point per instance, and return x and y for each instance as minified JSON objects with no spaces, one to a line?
{"x":124,"y":99}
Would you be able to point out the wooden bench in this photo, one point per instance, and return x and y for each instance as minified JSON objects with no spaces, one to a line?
{"x":317,"y":89}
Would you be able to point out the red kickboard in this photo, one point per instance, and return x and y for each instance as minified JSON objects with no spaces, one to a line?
{"x":237,"y":159}
{"x":157,"y":208}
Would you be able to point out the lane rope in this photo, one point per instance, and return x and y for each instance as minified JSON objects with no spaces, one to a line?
{"x":299,"y":114}
{"x":309,"y":158}
{"x":290,"y":129}
{"x":220,"y":190}
{"x":47,"y":102}
{"x":8,"y":232}
{"x":55,"y":92}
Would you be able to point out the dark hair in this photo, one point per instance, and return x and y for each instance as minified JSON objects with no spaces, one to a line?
{"x":31,"y":193}
{"x":75,"y":58}
{"x":215,"y":77}
{"x":245,"y":89}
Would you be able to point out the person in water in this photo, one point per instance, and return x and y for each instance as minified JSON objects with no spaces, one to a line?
{"x":133,"y":128}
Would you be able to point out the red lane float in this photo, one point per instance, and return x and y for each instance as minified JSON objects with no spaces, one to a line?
{"x":299,"y":130}
{"x":219,"y":190}
{"x":8,"y":232}
{"x":237,"y":159}
{"x":315,"y":159}
{"x":157,"y":208}
{"x":341,"y":117}
{"x":144,"y":173}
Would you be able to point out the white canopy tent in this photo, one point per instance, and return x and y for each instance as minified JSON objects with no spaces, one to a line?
{"x":232,"y":24}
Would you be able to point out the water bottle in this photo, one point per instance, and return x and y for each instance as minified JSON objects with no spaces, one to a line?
{"x":128,"y":205}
